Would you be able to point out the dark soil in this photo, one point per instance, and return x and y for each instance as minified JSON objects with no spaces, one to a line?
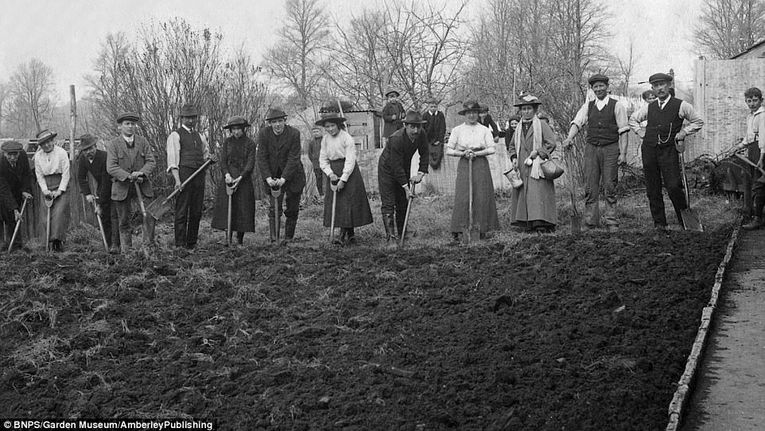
{"x":556,"y":333}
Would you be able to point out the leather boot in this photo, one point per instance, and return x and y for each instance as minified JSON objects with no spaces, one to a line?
{"x":755,"y":224}
{"x":272,"y":229}
{"x":126,"y":241}
{"x":289,"y":227}
{"x":390,"y":232}
{"x":240,"y":238}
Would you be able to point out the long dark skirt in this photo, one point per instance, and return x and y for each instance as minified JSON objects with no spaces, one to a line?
{"x":59,"y":212}
{"x":352,"y":206}
{"x":242,"y":207}
{"x":484,"y":206}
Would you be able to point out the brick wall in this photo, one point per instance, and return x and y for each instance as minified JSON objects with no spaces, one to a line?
{"x":719,"y":99}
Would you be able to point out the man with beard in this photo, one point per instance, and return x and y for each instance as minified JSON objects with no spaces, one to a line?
{"x":92,"y":161}
{"x":435,"y":129}
{"x":663,"y":138}
{"x":279,"y":163}
{"x":393,"y":171}
{"x":605,"y":149}
{"x":17,"y":174}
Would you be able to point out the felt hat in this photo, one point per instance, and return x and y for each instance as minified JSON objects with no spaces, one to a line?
{"x":45,"y":136}
{"x":413,"y":117}
{"x":657,"y":77}
{"x":598,"y":77}
{"x":275,"y":113}
{"x":237,"y":121}
{"x":189,"y":110}
{"x":333,"y":117}
{"x":12,"y":146}
{"x":390,"y":91}
{"x":132,"y":116}
{"x":470,"y":105}
{"x":527,"y":99}
{"x":86,"y":141}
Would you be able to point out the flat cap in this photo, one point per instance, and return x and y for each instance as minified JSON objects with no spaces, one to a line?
{"x":132,"y":116}
{"x":598,"y":77}
{"x":12,"y":146}
{"x":657,"y":77}
{"x":189,"y":110}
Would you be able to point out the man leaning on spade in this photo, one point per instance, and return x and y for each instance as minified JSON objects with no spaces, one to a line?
{"x":605,"y":119}
{"x":91,"y":163}
{"x":17,"y":174}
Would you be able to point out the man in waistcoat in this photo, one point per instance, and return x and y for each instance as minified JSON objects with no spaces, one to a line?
{"x":92,"y":163}
{"x":130,"y":160}
{"x":663,"y":138}
{"x":606,"y":147}
{"x":17,"y":173}
{"x":187,"y":151}
{"x":278,"y":159}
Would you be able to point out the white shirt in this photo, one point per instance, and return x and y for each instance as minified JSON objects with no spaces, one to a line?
{"x":474,"y":137}
{"x":341,"y":146}
{"x":620,"y":112}
{"x":55,"y":162}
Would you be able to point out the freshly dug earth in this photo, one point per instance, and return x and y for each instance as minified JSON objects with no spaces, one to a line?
{"x":553,"y":333}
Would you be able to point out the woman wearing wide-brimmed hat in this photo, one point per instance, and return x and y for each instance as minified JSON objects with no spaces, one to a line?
{"x":472,"y":141}
{"x":337,"y":159}
{"x":52,"y":172}
{"x":237,"y":160}
{"x":533,"y":204}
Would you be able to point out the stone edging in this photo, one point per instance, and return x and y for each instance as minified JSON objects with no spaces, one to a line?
{"x":694,"y":359}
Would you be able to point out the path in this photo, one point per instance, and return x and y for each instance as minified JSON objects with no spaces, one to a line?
{"x":730,"y":390}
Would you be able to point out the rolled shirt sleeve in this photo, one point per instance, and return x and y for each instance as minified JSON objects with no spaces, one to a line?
{"x":174,"y":151}
{"x":581,"y":117}
{"x":636,"y":118}
{"x":692,"y":117}
{"x":620,"y":112}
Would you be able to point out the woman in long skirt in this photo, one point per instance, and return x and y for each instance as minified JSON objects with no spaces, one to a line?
{"x":472,"y":141}
{"x":533,"y":204}
{"x":52,"y":172}
{"x":237,"y":160}
{"x":337,"y":159}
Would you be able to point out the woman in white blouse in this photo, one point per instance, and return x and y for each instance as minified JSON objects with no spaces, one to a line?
{"x":472,"y":141}
{"x":52,"y":172}
{"x":337,"y":159}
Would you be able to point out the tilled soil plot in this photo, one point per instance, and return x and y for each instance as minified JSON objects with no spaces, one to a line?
{"x":555,"y":333}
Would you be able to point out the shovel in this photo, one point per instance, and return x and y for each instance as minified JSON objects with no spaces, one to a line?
{"x":48,"y":203}
{"x":100,"y":226}
{"x":230,"y":189}
{"x":406,"y":218}
{"x":333,"y":187}
{"x":754,"y":165}
{"x":275,"y":193}
{"x":576,"y":217}
{"x":471,"y":230}
{"x":690,"y":220}
{"x":18,"y":224}
{"x":160,"y":206}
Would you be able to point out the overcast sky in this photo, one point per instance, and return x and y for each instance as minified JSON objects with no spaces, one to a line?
{"x":66,"y":34}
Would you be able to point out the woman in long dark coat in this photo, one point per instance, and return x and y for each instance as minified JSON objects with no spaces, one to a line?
{"x":472,"y":141}
{"x":237,"y":160}
{"x":533,"y":204}
{"x":337,"y":159}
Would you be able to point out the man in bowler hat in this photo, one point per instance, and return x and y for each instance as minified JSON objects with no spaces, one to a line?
{"x":91,"y":163}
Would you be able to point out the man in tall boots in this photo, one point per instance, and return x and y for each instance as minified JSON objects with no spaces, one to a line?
{"x":393,"y":171}
{"x":605,"y":148}
{"x":187,"y":151}
{"x":130,"y":160}
{"x":280,"y":167}
{"x":663,"y":139}
{"x":16,"y":171}
{"x":435,"y":129}
{"x":92,"y":163}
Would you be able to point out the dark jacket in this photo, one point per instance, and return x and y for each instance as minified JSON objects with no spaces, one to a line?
{"x":489,"y":122}
{"x":119,"y":165}
{"x":19,"y":179}
{"x":7,"y":202}
{"x":393,"y":115}
{"x":279,"y":157}
{"x":98,"y":169}
{"x":436,"y":127}
{"x":396,"y":158}
{"x":314,"y":148}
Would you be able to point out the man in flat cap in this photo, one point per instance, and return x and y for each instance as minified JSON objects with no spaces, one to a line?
{"x":663,"y":138}
{"x":187,"y":151}
{"x":17,"y":174}
{"x":91,"y":169}
{"x":393,"y":114}
{"x":280,"y":167}
{"x":435,"y":129}
{"x":130,"y":160}
{"x":605,"y":148}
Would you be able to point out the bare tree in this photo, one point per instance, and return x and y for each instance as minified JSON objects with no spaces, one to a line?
{"x":626,"y":66}
{"x":31,"y":90}
{"x":297,"y":56}
{"x":729,"y":27}
{"x":5,"y":92}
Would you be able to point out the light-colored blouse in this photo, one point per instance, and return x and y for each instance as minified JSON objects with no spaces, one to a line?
{"x":337,"y":147}
{"x":474,"y":137}
{"x":55,"y":162}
